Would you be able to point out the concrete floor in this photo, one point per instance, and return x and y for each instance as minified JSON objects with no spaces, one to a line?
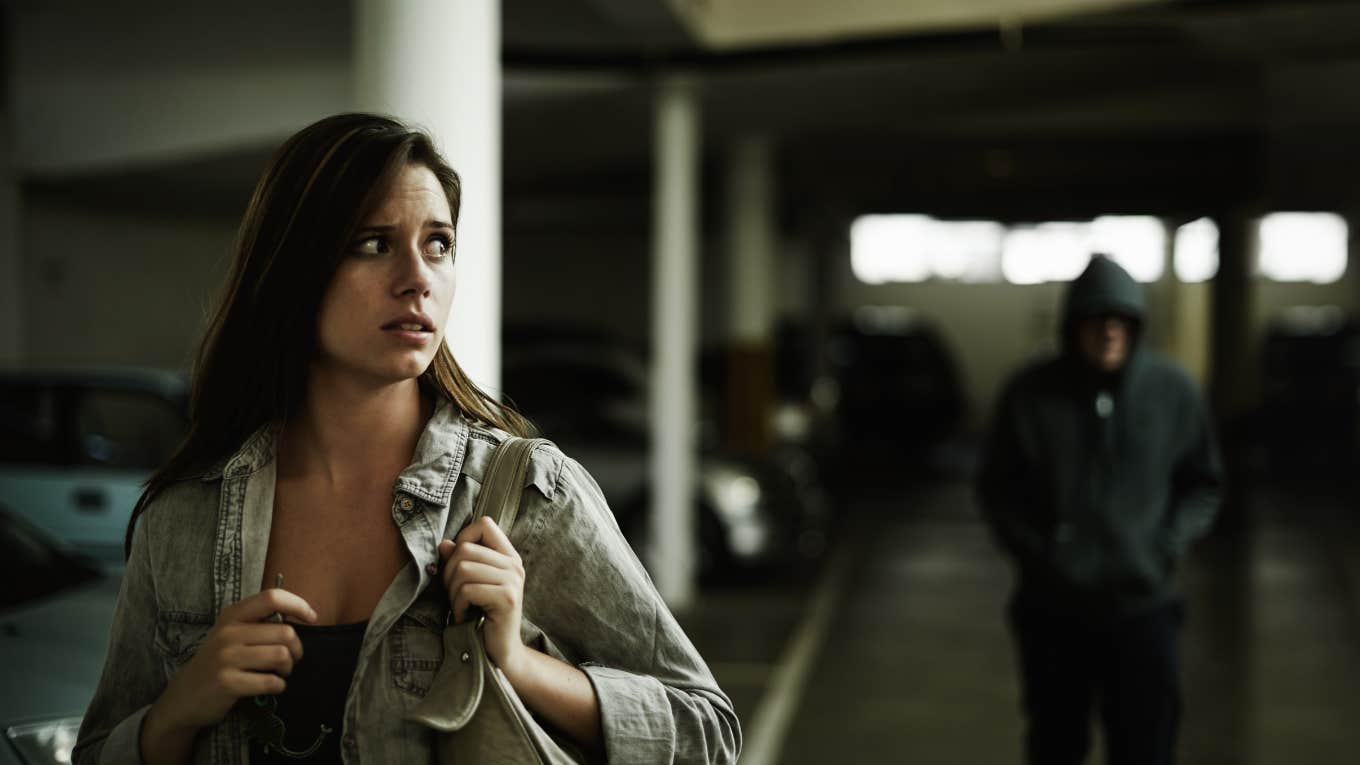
{"x":896,"y":651}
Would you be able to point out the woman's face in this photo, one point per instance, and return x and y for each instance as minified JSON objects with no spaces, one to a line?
{"x":384,"y":314}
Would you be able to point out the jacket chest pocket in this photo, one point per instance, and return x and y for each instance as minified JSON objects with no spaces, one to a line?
{"x":417,"y":640}
{"x":178,"y":636}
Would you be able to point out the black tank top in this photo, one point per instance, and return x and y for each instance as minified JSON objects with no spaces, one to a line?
{"x":315,"y":697}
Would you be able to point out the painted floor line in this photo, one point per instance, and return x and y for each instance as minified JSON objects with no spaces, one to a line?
{"x":764,"y":737}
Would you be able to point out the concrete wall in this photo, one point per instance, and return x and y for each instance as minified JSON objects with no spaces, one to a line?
{"x":115,"y":288}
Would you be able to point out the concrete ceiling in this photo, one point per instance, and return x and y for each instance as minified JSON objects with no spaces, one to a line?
{"x":1233,"y":98}
{"x":1219,"y":97}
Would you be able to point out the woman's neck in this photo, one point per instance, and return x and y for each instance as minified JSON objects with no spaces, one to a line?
{"x":348,"y":432}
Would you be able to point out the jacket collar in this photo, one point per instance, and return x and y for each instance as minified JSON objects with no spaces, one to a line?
{"x":438,"y":458}
{"x":434,"y":469}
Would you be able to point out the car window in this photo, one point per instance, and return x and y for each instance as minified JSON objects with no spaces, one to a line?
{"x":126,"y":429}
{"x":30,"y":429}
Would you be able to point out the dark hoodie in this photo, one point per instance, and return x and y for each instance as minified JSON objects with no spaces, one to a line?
{"x":1097,"y":483}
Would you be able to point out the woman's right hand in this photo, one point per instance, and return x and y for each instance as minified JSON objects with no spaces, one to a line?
{"x":242,"y":655}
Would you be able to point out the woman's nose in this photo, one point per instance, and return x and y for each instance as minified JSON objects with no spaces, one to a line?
{"x":412,"y":275}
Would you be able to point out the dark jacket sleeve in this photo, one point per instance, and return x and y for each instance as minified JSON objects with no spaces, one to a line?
{"x":1197,"y":483}
{"x":587,"y":590}
{"x":132,"y":676}
{"x":1006,"y":485}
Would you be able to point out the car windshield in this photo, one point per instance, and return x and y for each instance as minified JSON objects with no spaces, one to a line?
{"x":32,"y":566}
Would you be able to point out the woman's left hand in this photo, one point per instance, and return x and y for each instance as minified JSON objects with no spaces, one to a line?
{"x":481,"y":568}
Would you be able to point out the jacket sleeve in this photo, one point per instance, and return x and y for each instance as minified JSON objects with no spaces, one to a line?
{"x":132,"y":678}
{"x":1197,"y":484}
{"x":587,"y":590}
{"x":1006,"y":486}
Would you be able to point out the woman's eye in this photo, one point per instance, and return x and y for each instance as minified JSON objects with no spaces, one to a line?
{"x":373,"y":245}
{"x":439,"y":247}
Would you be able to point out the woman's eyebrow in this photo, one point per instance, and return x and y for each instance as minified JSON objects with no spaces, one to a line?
{"x":386,"y":227}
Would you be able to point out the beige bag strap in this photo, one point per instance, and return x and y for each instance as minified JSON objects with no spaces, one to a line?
{"x":503,"y":484}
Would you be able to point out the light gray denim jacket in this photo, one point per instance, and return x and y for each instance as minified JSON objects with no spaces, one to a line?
{"x":200,"y":546}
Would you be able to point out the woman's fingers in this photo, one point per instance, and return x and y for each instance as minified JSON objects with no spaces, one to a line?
{"x":460,"y":575}
{"x":481,"y":568}
{"x":267,"y":603}
{"x":260,"y":658}
{"x":491,"y":598}
{"x":472,"y":551}
{"x":268,"y":633}
{"x":484,"y":531}
{"x":240,"y":682}
{"x":458,"y":572}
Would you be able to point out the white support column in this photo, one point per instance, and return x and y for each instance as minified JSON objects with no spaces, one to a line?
{"x":12,"y":291}
{"x":436,"y":64}
{"x":674,"y":288}
{"x":751,"y":235}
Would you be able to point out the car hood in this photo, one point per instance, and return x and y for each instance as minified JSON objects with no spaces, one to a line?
{"x":54,"y":651}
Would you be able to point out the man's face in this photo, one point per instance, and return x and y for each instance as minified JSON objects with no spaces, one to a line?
{"x":1104,"y":341}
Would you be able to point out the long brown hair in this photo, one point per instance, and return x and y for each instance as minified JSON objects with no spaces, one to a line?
{"x":251,"y":368}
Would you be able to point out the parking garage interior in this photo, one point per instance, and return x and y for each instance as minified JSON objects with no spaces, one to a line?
{"x":685,"y":188}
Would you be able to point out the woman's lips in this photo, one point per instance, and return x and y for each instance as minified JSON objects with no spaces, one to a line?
{"x":412,"y":337}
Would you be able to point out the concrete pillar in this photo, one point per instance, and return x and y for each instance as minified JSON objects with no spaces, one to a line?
{"x":675,"y":258}
{"x":437,"y":64}
{"x":11,"y":256}
{"x":752,"y":232}
{"x":1234,"y":373}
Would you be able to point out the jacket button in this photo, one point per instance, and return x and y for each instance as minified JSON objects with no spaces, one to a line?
{"x":406,"y":503}
{"x":432,"y":570}
{"x":465,"y":657}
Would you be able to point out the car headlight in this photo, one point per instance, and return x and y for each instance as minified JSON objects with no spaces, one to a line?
{"x":45,"y":743}
{"x":735,"y":494}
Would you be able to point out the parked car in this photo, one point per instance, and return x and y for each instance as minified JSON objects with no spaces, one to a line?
{"x":77,"y":445}
{"x":897,"y":382}
{"x":56,"y":609}
{"x":589,"y":396}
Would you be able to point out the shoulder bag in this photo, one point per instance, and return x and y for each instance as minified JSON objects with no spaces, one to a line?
{"x":477,"y":716}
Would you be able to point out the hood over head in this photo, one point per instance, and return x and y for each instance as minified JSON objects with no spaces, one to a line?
{"x":1104,"y":288}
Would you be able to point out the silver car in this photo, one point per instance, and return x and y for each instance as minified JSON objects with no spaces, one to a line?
{"x":76,"y":446}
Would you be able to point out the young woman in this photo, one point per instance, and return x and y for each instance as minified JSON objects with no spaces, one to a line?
{"x":336,"y":443}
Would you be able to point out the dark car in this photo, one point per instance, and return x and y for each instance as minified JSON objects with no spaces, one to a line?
{"x":590,"y":398}
{"x":56,"y":608}
{"x":77,"y":445}
{"x":898,"y":384}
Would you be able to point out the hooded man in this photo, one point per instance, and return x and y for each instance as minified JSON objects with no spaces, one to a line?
{"x":1100,"y":471}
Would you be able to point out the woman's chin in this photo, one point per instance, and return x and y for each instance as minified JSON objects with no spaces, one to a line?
{"x":408,"y":371}
{"x":370,"y":374}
